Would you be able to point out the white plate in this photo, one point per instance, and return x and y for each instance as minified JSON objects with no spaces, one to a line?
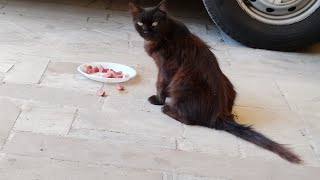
{"x":116,"y":67}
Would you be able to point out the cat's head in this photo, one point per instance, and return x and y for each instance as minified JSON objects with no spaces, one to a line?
{"x":151,"y":23}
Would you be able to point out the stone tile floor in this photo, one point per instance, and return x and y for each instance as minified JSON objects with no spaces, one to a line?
{"x":53,"y":126}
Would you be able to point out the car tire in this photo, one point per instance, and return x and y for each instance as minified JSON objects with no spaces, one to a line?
{"x":238,"y":24}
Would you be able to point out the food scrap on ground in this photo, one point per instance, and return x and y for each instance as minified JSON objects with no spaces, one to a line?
{"x":101,"y":93}
{"x":119,"y":87}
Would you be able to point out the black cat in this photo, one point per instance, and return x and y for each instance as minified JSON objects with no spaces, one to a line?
{"x":190,"y":74}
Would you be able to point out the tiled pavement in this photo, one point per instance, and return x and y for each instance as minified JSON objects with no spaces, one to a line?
{"x":54,"y":127}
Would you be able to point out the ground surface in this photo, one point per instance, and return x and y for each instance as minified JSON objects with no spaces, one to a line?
{"x":53,"y":126}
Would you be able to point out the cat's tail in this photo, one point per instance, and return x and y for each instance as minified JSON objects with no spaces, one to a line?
{"x":248,"y":134}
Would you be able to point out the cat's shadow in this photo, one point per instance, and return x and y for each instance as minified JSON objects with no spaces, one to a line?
{"x":251,"y":116}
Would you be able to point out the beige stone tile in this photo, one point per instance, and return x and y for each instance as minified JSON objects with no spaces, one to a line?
{"x":72,"y":82}
{"x":258,"y":92}
{"x":16,"y":167}
{"x":205,"y":140}
{"x":63,"y":67}
{"x":301,"y":94}
{"x":49,"y":95}
{"x":123,"y":138}
{"x":283,"y":126}
{"x":27,"y":72}
{"x":9,"y":112}
{"x":89,"y":151}
{"x":144,"y":123}
{"x":40,"y":118}
{"x":6,"y":66}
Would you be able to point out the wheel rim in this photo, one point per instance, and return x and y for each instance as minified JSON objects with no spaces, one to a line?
{"x":279,"y":12}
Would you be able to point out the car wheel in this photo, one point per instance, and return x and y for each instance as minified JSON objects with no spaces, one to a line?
{"x":284,"y":25}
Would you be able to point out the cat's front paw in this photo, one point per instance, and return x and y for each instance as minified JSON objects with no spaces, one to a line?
{"x":154,"y":100}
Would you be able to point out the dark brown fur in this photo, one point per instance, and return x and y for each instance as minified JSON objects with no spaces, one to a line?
{"x":190,"y":74}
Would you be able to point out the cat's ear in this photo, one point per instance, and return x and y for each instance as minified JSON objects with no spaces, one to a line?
{"x":134,"y":9}
{"x":163,"y":6}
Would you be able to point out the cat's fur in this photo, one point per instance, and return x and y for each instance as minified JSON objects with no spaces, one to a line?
{"x":190,"y":74}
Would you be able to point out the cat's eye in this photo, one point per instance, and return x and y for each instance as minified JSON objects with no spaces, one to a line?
{"x":140,"y":23}
{"x":154,"y":23}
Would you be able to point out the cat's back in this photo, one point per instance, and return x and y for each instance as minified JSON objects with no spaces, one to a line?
{"x":178,"y":28}
{"x":183,"y":36}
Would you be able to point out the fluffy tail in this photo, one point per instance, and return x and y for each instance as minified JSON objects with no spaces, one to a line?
{"x":248,"y":134}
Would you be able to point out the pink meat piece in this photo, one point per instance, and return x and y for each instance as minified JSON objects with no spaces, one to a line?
{"x":101,"y":93}
{"x":119,"y":76}
{"x":109,"y":74}
{"x":105,"y":70}
{"x":102,"y":69}
{"x":96,"y":69}
{"x":88,"y":69}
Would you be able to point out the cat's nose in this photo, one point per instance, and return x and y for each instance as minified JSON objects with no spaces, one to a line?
{"x":146,"y":32}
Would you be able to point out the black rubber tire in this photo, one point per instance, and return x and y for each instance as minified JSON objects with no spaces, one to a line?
{"x":235,"y":22}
